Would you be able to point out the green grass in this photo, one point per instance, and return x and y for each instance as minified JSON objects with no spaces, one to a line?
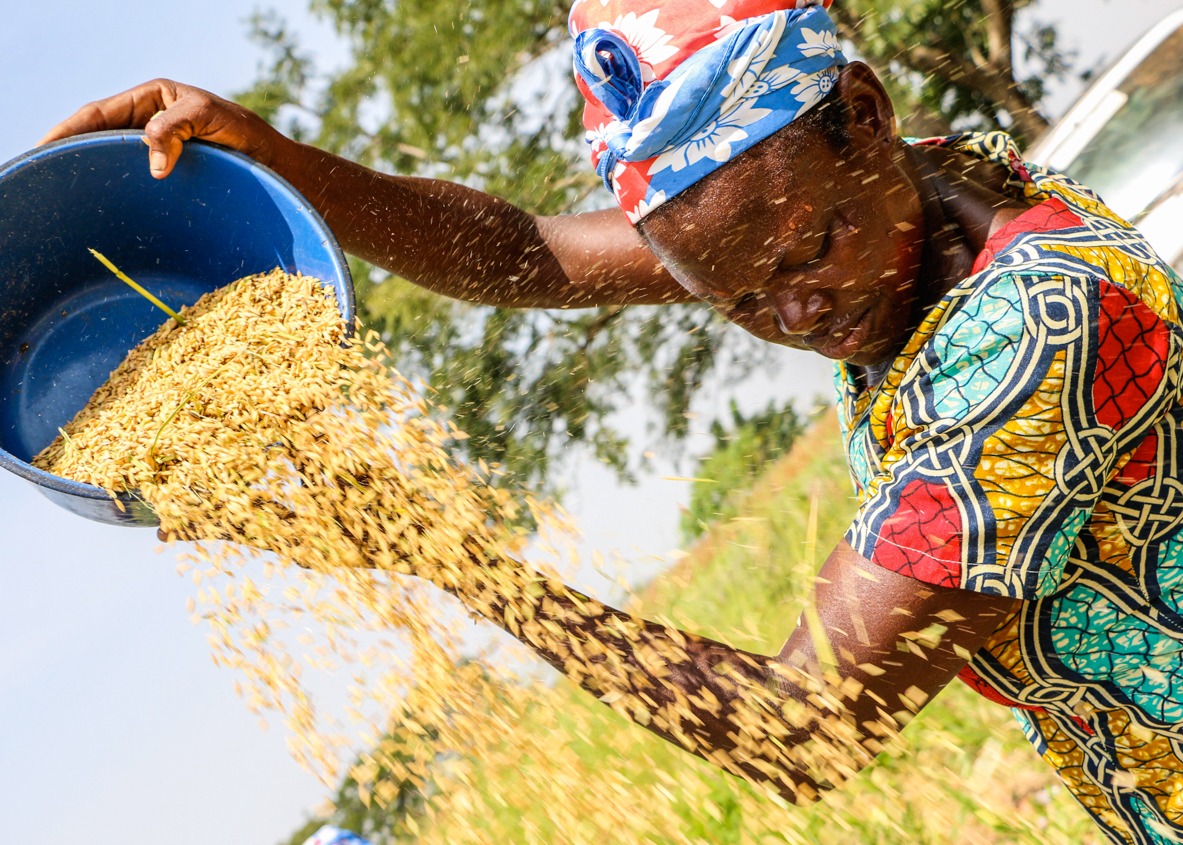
{"x":576,"y":772}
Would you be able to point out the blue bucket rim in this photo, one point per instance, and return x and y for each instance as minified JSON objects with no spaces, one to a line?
{"x":346,"y":301}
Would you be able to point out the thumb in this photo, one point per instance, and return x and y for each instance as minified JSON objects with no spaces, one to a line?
{"x":165,"y":135}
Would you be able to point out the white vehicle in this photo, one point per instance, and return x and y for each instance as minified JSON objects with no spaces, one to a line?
{"x":1124,"y":138}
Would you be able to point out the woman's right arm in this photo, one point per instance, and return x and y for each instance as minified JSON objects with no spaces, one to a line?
{"x":453,"y":240}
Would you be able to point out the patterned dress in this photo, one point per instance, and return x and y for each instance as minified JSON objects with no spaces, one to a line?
{"x":1027,"y":442}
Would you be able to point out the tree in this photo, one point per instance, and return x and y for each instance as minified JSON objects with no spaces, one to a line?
{"x":952,"y":64}
{"x":480,"y":91}
{"x":372,"y":800}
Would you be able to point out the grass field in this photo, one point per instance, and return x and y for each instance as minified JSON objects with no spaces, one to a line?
{"x":573,"y":771}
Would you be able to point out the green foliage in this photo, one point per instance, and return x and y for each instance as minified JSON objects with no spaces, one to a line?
{"x":965,"y":773}
{"x":741,"y":453}
{"x":380,"y":822}
{"x":480,"y":92}
{"x":952,"y":64}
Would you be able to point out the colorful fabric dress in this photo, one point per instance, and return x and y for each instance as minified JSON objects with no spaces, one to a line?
{"x":1028,"y":442}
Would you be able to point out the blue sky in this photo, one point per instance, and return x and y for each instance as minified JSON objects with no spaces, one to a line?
{"x":118,"y":728}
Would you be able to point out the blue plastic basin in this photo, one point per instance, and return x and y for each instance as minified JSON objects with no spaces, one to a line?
{"x":66,"y":322}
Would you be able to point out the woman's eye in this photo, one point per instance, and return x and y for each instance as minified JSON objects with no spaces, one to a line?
{"x":822,"y":248}
{"x":745,"y":302}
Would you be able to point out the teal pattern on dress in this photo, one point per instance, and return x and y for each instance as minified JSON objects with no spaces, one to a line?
{"x":1033,"y":425}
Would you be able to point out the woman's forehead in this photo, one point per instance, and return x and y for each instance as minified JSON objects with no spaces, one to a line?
{"x":739,"y":196}
{"x":756,"y":228}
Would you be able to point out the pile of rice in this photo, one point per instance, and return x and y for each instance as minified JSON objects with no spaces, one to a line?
{"x":261,"y":423}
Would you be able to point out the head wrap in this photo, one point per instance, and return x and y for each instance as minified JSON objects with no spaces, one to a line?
{"x":677,"y":88}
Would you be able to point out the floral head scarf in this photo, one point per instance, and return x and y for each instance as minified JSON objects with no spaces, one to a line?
{"x":677,"y":88}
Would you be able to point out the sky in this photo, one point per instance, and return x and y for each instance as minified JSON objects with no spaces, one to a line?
{"x":117,"y":727}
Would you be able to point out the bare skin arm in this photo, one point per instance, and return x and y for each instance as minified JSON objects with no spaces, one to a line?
{"x":881,"y":644}
{"x":880,"y":647}
{"x":872,"y":648}
{"x":453,"y":240}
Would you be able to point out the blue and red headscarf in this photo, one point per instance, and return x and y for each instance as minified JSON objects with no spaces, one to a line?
{"x":677,"y":88}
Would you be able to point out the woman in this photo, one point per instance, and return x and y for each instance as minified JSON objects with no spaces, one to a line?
{"x":1008,"y":361}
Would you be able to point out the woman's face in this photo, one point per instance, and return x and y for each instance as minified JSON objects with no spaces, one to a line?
{"x":802,"y":245}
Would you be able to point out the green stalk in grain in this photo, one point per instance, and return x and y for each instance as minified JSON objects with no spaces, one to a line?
{"x":137,"y":287}
{"x":67,"y":439}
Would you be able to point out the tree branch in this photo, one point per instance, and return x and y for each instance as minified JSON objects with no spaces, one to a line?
{"x":990,"y":81}
{"x":999,"y":16}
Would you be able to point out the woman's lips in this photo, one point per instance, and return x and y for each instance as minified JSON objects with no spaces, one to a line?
{"x":840,"y":342}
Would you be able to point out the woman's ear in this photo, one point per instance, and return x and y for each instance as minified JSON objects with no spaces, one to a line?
{"x":868,"y":107}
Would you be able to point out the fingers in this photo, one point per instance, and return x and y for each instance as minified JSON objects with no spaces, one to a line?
{"x":170,"y":114}
{"x":131,"y":109}
{"x":166,"y":132}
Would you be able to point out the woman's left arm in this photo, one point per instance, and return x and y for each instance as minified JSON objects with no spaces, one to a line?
{"x":871,"y":649}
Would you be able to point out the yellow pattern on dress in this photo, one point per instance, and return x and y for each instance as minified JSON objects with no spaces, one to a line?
{"x":1016,"y":470}
{"x":1003,"y":646}
{"x":1067,"y":757}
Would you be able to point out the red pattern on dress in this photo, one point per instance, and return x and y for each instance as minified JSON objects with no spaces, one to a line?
{"x":922,"y":539}
{"x":1134,"y":343}
{"x":1048,"y":216}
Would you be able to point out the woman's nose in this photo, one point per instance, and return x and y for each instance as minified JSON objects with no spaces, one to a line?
{"x":801,"y":312}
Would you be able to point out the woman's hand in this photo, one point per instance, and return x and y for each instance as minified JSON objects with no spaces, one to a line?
{"x":171,"y":113}
{"x":446,"y":237}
